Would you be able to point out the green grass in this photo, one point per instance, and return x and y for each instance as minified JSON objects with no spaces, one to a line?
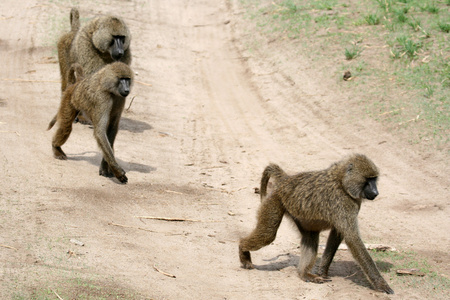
{"x":444,"y":27}
{"x":372,"y":19}
{"x":351,"y":53}
{"x":434,"y":283}
{"x":409,"y":45}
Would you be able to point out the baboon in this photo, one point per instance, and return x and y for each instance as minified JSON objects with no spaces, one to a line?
{"x":101,"y":41}
{"x":317,"y":201}
{"x":102,"y":97}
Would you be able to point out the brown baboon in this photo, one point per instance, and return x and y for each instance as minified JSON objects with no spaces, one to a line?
{"x":317,"y":201}
{"x":102,"y":97}
{"x":101,"y":41}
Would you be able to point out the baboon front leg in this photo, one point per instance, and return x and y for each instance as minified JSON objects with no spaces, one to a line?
{"x":366,"y":262}
{"x":66,"y":115}
{"x":308,"y":254}
{"x":270,"y":215}
{"x":333,"y":242}
{"x":108,"y":163}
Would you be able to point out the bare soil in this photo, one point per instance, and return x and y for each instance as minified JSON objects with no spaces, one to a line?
{"x":208,"y":114}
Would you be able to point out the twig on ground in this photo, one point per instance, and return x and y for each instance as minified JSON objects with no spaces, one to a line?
{"x":59,"y":297}
{"x":167,"y":219}
{"x":164,"y":273}
{"x":125,"y":226}
{"x":9,"y":247}
{"x":392,"y":111}
{"x":10,"y":132}
{"x":143,"y":83}
{"x":174,"y":192}
{"x":350,"y":275}
{"x":131,"y":102}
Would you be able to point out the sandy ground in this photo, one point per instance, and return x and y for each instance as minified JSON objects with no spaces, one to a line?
{"x":206,"y":118}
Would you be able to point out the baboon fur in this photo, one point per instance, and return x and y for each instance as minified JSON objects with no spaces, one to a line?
{"x":64,"y":46}
{"x":102,"y":97}
{"x":317,"y":201}
{"x":90,"y":45}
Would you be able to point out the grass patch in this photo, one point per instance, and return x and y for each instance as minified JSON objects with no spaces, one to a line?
{"x":406,"y":53}
{"x":351,"y":53}
{"x":372,"y":19}
{"x":433,"y":283}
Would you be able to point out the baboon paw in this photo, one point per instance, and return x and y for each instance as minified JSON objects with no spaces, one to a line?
{"x":105,"y":173}
{"x":123,"y":178}
{"x":386,"y":289}
{"x":313,"y":278}
{"x":60,"y":156}
{"x":248,"y":265}
{"x":319,"y":279}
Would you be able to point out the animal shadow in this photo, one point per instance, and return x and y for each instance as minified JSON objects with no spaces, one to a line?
{"x":277,"y":265}
{"x":133,"y":125}
{"x":94,"y":158}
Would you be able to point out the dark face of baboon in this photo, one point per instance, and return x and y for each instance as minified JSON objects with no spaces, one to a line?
{"x":112,"y":37}
{"x":121,"y":83}
{"x":360,"y":178}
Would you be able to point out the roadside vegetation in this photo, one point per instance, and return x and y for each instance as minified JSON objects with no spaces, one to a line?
{"x":418,"y":272}
{"x":398,"y":52}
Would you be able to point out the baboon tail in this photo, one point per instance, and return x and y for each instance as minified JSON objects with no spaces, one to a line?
{"x":74,"y":19}
{"x":271,"y":170}
{"x":52,"y":122}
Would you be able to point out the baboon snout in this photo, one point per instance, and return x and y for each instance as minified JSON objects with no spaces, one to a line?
{"x":117,"y":47}
{"x":372,"y":195}
{"x":370,"y":189}
{"x":124,"y":87}
{"x":117,"y":54}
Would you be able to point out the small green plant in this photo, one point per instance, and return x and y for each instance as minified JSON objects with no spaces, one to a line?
{"x":431,"y":8}
{"x":291,"y":7}
{"x":415,"y":24}
{"x":385,"y":5}
{"x":445,"y":27}
{"x":352,"y":52}
{"x":401,"y":16}
{"x":396,"y":53}
{"x":409,"y":46}
{"x":372,"y":19}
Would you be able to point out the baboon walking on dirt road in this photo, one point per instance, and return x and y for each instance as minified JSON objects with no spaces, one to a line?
{"x":317,"y":201}
{"x":102,"y":97}
{"x":101,"y":41}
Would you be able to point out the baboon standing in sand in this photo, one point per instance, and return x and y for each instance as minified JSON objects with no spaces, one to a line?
{"x":101,"y":41}
{"x":102,"y":97}
{"x":317,"y":201}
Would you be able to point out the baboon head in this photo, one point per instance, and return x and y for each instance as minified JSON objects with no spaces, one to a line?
{"x":117,"y":79}
{"x":112,"y":36}
{"x":360,"y":178}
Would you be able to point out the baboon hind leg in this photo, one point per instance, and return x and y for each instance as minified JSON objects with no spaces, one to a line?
{"x":270,"y":215}
{"x":308,"y":255}
{"x":66,"y":115}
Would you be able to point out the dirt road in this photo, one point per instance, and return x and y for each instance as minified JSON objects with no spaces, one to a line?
{"x":207,"y":116}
